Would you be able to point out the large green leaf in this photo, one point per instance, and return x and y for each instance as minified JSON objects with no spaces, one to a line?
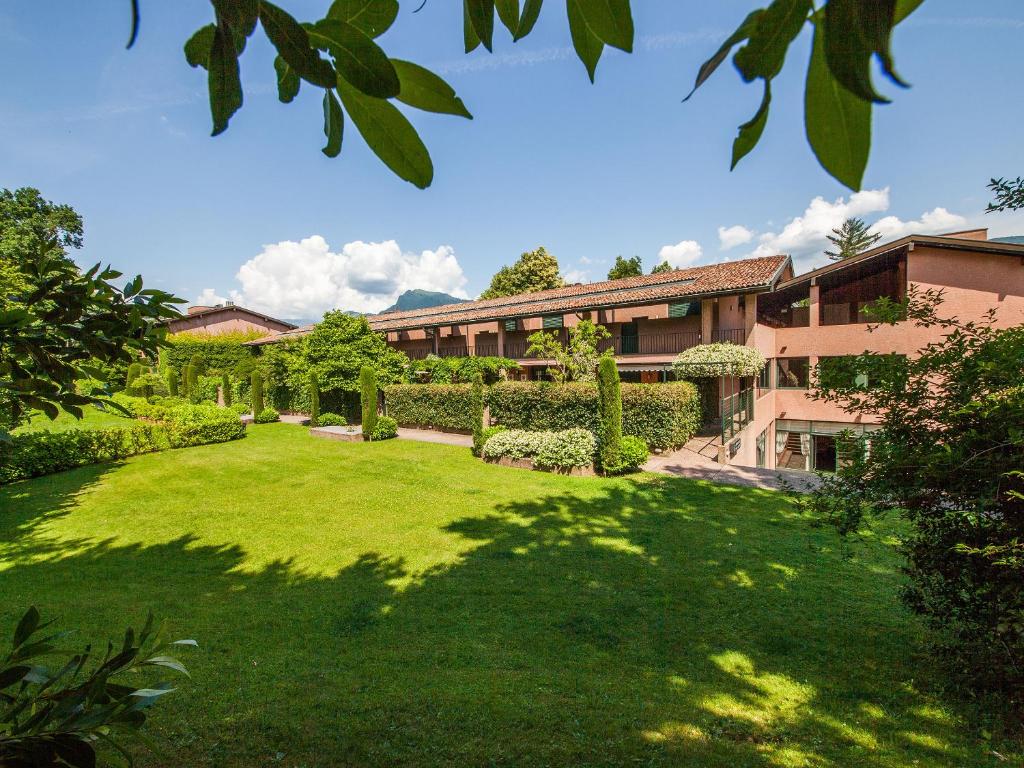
{"x":334,"y":124}
{"x":531,"y":10}
{"x":357,"y":58}
{"x":292,"y":43}
{"x":422,"y":89}
{"x":508,"y":12}
{"x":240,"y":15}
{"x":838,"y":123}
{"x":610,"y":20}
{"x":225,"y":86}
{"x":197,"y":49}
{"x":389,"y":134}
{"x":287,"y":81}
{"x":588,"y":45}
{"x":904,"y":8}
{"x":750,"y":131}
{"x":469,"y":36}
{"x":770,"y":37}
{"x":742,"y":33}
{"x":372,"y":17}
{"x":481,"y":16}
{"x":853,"y":32}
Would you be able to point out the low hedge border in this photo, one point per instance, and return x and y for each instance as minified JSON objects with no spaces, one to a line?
{"x":33,"y":454}
{"x":437,"y":406}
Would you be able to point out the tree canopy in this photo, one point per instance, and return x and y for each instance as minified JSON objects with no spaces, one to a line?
{"x":625,"y":268}
{"x":663,"y":267}
{"x":534,"y":271}
{"x":357,"y":78}
{"x":850,"y":239}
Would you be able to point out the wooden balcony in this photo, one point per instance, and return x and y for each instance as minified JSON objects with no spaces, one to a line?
{"x":729,"y":336}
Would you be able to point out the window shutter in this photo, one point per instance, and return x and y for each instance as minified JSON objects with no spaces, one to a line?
{"x":511,"y":325}
{"x":553,"y":322}
{"x":684,"y":308}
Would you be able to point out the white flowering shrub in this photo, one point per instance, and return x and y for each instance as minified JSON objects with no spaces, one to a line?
{"x":712,"y":360}
{"x":549,"y":450}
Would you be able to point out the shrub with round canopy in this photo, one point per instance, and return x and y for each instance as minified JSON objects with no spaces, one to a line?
{"x":713,"y":360}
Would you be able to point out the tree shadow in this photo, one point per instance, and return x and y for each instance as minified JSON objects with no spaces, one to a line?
{"x":659,"y":622}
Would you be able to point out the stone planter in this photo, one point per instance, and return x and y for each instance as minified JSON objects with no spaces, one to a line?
{"x":348,"y":433}
{"x":505,"y":461}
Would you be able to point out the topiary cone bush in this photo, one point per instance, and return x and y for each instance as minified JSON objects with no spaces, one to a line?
{"x":184,"y":379}
{"x":193,"y":382}
{"x":477,"y":403}
{"x":314,"y":400}
{"x":225,"y":388}
{"x":134,"y":371}
{"x":609,"y":407}
{"x":368,"y":399}
{"x":256,"y":393}
{"x":172,"y":382}
{"x":199,"y":363}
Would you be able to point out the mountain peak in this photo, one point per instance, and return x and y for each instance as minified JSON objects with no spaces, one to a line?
{"x":417,"y":298}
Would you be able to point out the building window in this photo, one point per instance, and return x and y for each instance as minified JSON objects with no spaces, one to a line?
{"x":860,"y":372}
{"x":762,"y":448}
{"x":764,"y":379}
{"x":553,"y":322}
{"x":684,"y":308}
{"x":792,"y":372}
{"x":511,"y":325}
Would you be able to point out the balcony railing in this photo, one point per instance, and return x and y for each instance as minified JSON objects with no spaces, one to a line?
{"x":652,"y":343}
{"x":416,"y":354}
{"x":737,"y":412}
{"x":515,"y":349}
{"x":729,"y":336}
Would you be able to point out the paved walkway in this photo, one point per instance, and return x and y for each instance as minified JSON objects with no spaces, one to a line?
{"x":433,"y":436}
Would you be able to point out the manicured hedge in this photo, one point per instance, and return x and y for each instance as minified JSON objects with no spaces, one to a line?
{"x":33,"y":454}
{"x":663,"y":415}
{"x":563,"y":449}
{"x":442,"y":406}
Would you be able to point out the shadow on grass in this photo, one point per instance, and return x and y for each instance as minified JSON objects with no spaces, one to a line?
{"x":658,"y":623}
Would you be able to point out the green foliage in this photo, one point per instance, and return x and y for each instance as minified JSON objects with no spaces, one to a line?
{"x":134,"y":371}
{"x":441,"y":406}
{"x":368,"y":399}
{"x":256,"y":393}
{"x":224,"y":353}
{"x":633,"y":454}
{"x":477,"y":413}
{"x":455,"y":370}
{"x":385,"y":428}
{"x":147,"y":384}
{"x":195,"y":391}
{"x":852,"y":238}
{"x":57,"y":716}
{"x":314,"y":401}
{"x":186,"y":376}
{"x":663,"y":267}
{"x":238,"y":408}
{"x":340,"y":345}
{"x":577,"y":359}
{"x":663,"y":415}
{"x":225,"y":388}
{"x":626,"y":268}
{"x":609,"y":409}
{"x":198,"y":363}
{"x":1009,"y":195}
{"x":328,"y":419}
{"x":534,"y":271}
{"x":713,"y":360}
{"x":266,"y":416}
{"x":172,"y":381}
{"x":490,"y":432}
{"x":949,"y":458}
{"x":563,"y":449}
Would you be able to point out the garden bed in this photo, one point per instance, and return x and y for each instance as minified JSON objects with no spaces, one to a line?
{"x":505,"y":461}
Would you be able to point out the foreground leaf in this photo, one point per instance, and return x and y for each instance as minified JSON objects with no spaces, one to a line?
{"x":610,"y":20}
{"x":531,"y":10}
{"x":287,"y":81}
{"x":197,"y":49}
{"x":838,"y":123}
{"x":481,"y":16}
{"x":508,"y":12}
{"x":357,"y":58}
{"x":224,"y":83}
{"x":750,"y":131}
{"x":853,"y":32}
{"x":292,"y":43}
{"x":389,"y":134}
{"x":588,"y":45}
{"x":770,"y":37}
{"x":333,"y":124}
{"x":424,"y":90}
{"x":372,"y":17}
{"x":742,"y":32}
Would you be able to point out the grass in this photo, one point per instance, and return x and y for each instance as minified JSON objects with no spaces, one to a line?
{"x":404,"y":604}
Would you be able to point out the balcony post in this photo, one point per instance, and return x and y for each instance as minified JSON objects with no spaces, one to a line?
{"x":707,"y":318}
{"x":815,"y":307}
{"x":501,"y":338}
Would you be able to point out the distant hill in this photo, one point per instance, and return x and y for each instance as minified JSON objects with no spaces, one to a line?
{"x":420,"y":299}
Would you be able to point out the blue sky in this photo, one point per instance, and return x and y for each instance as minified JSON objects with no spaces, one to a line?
{"x":620,"y":167}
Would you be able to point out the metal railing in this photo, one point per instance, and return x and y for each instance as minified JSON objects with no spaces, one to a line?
{"x":515,"y":349}
{"x":651,"y":343}
{"x":737,"y":412}
{"x":729,"y":336}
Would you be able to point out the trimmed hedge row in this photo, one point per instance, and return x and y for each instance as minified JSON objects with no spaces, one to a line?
{"x":33,"y":454}
{"x":443,"y":406}
{"x":663,"y":415}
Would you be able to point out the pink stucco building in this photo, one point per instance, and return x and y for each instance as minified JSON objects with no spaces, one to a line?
{"x":226,"y":318}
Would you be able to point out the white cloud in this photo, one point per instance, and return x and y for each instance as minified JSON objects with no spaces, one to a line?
{"x":307,"y":278}
{"x":209,"y":298}
{"x":576,"y":276}
{"x":730,"y":237}
{"x":931,"y":222}
{"x":682,"y":254}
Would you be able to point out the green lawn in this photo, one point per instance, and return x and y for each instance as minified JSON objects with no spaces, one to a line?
{"x":404,"y":604}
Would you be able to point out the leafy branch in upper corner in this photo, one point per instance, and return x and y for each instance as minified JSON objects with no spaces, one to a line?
{"x":839,"y":92}
{"x":59,"y":716}
{"x":1009,"y":195}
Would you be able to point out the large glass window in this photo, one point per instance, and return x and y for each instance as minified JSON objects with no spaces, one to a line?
{"x":860,"y":371}
{"x":764,"y":379}
{"x":792,"y":372}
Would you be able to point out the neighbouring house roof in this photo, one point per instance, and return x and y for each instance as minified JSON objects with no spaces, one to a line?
{"x":908,"y":242}
{"x":709,"y":280}
{"x":208,"y":311}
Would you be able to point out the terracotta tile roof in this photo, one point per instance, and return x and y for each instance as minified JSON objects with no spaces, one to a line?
{"x":666,"y":286}
{"x":746,"y":274}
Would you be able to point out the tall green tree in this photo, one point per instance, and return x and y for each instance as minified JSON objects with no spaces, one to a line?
{"x":340,"y":345}
{"x":625,"y":268}
{"x":368,"y":389}
{"x":577,"y":358}
{"x":852,"y":238}
{"x":663,"y":267}
{"x":338,"y":56}
{"x":535,"y":271}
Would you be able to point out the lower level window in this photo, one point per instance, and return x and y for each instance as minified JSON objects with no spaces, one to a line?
{"x":792,"y":372}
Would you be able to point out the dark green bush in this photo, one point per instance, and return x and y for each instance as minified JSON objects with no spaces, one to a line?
{"x":172,"y":382}
{"x":267,"y":416}
{"x":256,"y":393}
{"x":442,"y":406}
{"x":198,"y":363}
{"x":314,"y":401}
{"x":609,"y":408}
{"x":225,"y":388}
{"x":328,"y":419}
{"x":490,"y":432}
{"x":633,"y":454}
{"x":368,"y":399}
{"x":664,"y":415}
{"x":189,"y":425}
{"x":194,"y":392}
{"x":385,"y":429}
{"x":226,"y":355}
{"x":186,"y":374}
{"x":477,"y":413}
